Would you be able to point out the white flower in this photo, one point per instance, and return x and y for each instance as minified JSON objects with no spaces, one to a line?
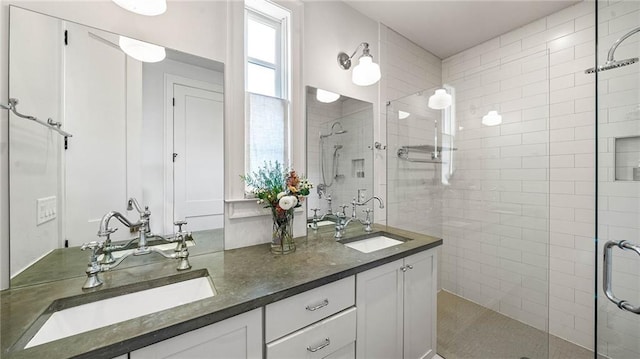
{"x":280,"y":195}
{"x":287,"y":202}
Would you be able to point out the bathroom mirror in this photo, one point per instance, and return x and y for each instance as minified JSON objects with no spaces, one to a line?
{"x":146,"y":130}
{"x":339,"y":154}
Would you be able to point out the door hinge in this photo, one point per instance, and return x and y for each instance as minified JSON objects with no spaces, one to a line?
{"x":66,"y":37}
{"x":66,"y":142}
{"x":174,"y":101}
{"x":174,"y":156}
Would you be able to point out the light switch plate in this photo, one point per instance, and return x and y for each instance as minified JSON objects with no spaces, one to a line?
{"x":47,"y":209}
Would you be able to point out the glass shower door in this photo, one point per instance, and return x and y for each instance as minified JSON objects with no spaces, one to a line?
{"x":477,"y":175}
{"x":618,"y":190}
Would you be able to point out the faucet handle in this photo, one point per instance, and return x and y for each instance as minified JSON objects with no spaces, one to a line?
{"x":180,"y":223}
{"x":315,"y":212}
{"x":344,"y":208}
{"x":93,"y":245}
{"x":106,"y":233}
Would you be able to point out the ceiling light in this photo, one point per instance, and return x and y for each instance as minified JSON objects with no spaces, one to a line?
{"x":366,"y":72}
{"x":143,"y":7}
{"x":326,"y":96}
{"x":492,"y":118}
{"x":439,"y":100}
{"x":142,"y":51}
{"x":402,"y":115}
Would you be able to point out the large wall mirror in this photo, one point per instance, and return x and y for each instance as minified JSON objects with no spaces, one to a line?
{"x":146,"y":130}
{"x":339,"y":153}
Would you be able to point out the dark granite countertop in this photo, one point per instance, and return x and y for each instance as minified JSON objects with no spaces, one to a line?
{"x":245,"y":279}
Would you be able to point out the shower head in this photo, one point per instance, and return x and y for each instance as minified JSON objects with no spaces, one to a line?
{"x":338,"y":147}
{"x":334,"y":131}
{"x":610,"y":65}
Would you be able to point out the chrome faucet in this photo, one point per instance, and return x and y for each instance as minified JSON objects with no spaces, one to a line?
{"x":105,"y":248}
{"x":343,"y":222}
{"x":141,"y":226}
{"x":374,"y":197}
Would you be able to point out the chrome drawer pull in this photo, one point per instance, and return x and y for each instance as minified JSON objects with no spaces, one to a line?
{"x":323,"y":345}
{"x":321,"y":305}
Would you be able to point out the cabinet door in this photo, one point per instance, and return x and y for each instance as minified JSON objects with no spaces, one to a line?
{"x":239,"y":337}
{"x":420,"y":306}
{"x":379,"y":299}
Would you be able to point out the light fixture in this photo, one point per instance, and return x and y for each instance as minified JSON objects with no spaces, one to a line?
{"x":402,"y":115}
{"x":326,"y":96}
{"x":492,"y":118}
{"x":366,"y":72}
{"x":142,"y":51}
{"x":143,"y":7}
{"x":439,"y":100}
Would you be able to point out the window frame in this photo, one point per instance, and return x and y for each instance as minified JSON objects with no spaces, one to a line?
{"x":279,"y":18}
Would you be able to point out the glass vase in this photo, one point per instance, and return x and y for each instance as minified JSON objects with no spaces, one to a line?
{"x":282,"y":238}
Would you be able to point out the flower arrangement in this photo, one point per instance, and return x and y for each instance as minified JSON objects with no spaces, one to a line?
{"x":281,"y":190}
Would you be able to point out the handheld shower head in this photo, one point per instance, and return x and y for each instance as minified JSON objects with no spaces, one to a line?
{"x":610,"y":65}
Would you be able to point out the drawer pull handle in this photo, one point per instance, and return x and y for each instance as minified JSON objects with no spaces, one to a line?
{"x":323,"y":345}
{"x":321,"y":305}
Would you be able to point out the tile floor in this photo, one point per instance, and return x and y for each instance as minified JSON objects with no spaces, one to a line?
{"x":470,"y":331}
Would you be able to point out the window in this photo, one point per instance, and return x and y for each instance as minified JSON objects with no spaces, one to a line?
{"x":267,"y":84}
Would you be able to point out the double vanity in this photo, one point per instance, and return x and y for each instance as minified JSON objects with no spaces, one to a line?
{"x":326,"y":300}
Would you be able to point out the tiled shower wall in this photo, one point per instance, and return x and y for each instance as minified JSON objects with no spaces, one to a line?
{"x":549,"y":188}
{"x":411,"y":191}
{"x":619,"y":200}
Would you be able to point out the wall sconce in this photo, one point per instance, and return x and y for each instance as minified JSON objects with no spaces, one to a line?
{"x":439,"y":100}
{"x":143,"y":7}
{"x":326,"y":96}
{"x":492,"y":118}
{"x":366,"y":72}
{"x":142,"y":51}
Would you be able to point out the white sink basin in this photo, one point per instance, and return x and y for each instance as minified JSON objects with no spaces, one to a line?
{"x":85,"y":317}
{"x":372,"y":244}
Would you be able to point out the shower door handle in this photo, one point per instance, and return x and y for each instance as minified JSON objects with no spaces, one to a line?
{"x":608,"y":266}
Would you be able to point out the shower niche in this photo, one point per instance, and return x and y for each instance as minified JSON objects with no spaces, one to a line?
{"x":627,"y":160}
{"x":339,"y":157}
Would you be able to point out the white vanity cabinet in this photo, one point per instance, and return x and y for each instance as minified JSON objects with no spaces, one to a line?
{"x":238,"y":337}
{"x":319,"y":323}
{"x":396,"y":303}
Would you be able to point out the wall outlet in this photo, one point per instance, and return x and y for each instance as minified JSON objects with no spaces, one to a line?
{"x":47,"y":209}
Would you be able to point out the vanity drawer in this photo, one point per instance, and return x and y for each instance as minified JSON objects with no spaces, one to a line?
{"x":330,"y":338}
{"x":288,"y":315}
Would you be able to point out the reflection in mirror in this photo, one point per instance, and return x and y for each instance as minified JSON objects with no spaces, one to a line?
{"x":339,"y":154}
{"x":150,"y":131}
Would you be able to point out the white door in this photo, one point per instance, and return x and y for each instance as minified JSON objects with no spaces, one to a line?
{"x":95,"y":113}
{"x":198,"y":158}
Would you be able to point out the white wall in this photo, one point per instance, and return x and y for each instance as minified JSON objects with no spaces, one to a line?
{"x":561,"y":184}
{"x":35,"y":150}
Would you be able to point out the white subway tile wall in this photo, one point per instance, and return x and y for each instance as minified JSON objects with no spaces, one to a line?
{"x":619,"y":194}
{"x":519,"y":213}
